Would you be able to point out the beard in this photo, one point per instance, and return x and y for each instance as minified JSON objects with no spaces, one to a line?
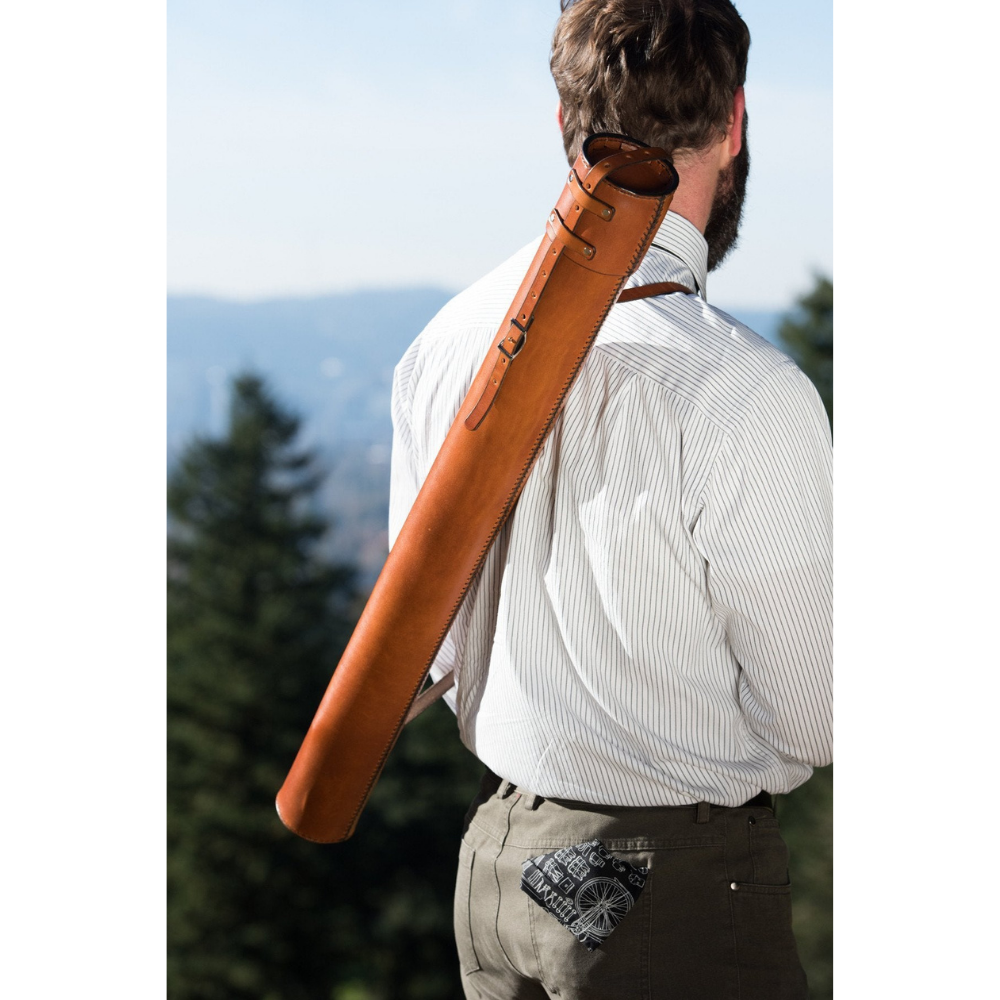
{"x":723,"y":228}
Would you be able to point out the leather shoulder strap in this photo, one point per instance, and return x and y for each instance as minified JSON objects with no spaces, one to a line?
{"x":648,"y":291}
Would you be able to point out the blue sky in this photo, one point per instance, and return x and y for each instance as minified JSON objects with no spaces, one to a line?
{"x":317,"y":147}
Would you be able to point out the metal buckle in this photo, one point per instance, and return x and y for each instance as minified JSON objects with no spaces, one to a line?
{"x":520,"y":340}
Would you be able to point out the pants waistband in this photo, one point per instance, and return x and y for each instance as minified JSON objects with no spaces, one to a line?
{"x":503,"y":788}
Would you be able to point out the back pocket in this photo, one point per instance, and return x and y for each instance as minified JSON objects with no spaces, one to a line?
{"x":767,"y":890}
{"x":766,"y":955}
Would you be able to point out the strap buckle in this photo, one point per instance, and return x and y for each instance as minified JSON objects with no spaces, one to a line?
{"x":520,"y":340}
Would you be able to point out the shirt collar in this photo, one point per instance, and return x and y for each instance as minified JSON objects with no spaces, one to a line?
{"x":679,"y":239}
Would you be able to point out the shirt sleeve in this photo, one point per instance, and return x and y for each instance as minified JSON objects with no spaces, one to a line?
{"x":404,"y":474}
{"x":765,"y":531}
{"x":405,"y":480}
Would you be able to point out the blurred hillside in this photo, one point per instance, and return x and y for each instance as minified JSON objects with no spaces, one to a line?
{"x":333,"y":356}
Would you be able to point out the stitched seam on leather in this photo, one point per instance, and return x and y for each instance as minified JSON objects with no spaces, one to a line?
{"x":647,"y":238}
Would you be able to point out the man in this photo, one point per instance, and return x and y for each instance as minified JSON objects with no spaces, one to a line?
{"x":646,"y":652}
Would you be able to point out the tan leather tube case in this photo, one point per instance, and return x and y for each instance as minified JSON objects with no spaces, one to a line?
{"x":616,"y":197}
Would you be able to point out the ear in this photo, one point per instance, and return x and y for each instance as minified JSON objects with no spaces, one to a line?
{"x":735,"y":136}
{"x":559,"y":115}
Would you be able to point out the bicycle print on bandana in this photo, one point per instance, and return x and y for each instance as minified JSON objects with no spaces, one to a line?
{"x":585,"y":887}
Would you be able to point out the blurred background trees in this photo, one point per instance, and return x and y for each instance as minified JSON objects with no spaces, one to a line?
{"x":256,"y":625}
{"x":807,"y":336}
{"x":806,"y":815}
{"x":257,"y":620}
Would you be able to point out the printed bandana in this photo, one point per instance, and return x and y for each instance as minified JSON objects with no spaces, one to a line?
{"x":586,"y":888}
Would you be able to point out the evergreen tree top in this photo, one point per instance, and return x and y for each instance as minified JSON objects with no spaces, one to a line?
{"x":807,"y":335}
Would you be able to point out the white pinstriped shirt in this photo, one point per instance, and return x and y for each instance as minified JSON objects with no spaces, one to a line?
{"x":652,"y":626}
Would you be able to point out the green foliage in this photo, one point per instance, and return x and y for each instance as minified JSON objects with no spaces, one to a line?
{"x":409,"y":834}
{"x":807,"y":335}
{"x":806,"y":815}
{"x":256,"y":624}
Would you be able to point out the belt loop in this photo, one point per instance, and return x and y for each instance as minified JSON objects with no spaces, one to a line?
{"x":506,"y":787}
{"x":532,"y":801}
{"x":703,"y":812}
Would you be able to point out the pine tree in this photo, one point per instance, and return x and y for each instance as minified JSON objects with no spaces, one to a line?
{"x":255,"y":626}
{"x":807,"y":335}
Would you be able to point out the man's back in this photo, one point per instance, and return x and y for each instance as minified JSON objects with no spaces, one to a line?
{"x":645,"y":655}
{"x":651,"y":627}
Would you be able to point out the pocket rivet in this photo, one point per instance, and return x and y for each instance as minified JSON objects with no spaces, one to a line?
{"x":733,"y":885}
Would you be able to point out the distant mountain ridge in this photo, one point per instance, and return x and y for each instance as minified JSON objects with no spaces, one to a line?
{"x":330,"y":358}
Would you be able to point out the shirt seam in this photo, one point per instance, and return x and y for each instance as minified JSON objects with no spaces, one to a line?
{"x":671,"y":390}
{"x":731,"y":433}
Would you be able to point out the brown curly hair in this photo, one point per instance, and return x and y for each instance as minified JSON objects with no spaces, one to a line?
{"x":663,"y":71}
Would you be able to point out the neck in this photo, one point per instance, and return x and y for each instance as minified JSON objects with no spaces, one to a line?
{"x":699,"y":177}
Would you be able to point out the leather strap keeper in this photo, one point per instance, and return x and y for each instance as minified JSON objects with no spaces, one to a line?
{"x":574,"y":279}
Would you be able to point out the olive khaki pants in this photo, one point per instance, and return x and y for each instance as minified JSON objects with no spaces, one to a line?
{"x":713,"y":921}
